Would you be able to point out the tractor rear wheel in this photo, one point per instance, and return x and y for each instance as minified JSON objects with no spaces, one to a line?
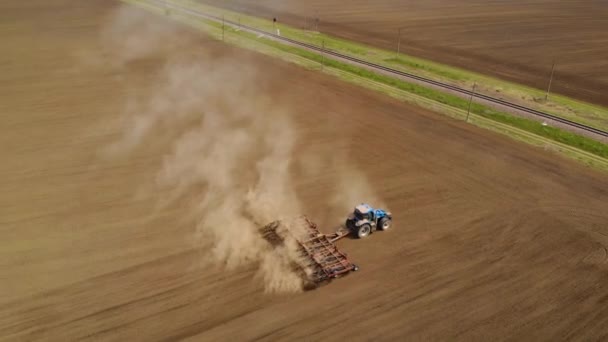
{"x":385,"y":223}
{"x":364,"y":230}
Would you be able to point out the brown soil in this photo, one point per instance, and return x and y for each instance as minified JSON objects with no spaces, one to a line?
{"x":492,"y":239}
{"x":513,"y":40}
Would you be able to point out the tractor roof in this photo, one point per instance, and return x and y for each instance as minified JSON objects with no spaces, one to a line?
{"x":363,"y":208}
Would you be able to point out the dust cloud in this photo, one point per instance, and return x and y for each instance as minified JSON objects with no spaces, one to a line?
{"x":231,"y":149}
{"x":350,"y":187}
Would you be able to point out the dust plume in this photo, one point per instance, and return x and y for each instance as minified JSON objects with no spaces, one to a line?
{"x":351,"y":186}
{"x":129,"y":35}
{"x":231,"y":147}
{"x":239,"y":155}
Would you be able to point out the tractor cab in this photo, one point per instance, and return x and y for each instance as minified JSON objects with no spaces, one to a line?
{"x":365,"y":219}
{"x":364,"y":212}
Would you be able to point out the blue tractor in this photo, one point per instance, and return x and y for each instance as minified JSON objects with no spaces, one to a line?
{"x":365,"y":219}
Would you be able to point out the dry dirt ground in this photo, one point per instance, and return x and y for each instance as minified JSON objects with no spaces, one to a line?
{"x":492,"y":239}
{"x":515,"y":40}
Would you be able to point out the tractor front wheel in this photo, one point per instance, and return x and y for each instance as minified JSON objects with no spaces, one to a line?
{"x":364,"y":230}
{"x":385,"y":223}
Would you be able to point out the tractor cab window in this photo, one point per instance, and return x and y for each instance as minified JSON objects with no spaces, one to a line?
{"x":361,"y":216}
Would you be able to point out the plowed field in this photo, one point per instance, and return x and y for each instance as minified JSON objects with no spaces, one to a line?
{"x":127,"y":142}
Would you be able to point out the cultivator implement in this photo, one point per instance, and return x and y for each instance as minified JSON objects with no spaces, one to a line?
{"x":328,"y":261}
{"x":317,"y":258}
{"x":320,"y":260}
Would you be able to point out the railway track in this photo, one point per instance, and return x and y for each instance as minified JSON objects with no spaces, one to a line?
{"x":593,"y":132}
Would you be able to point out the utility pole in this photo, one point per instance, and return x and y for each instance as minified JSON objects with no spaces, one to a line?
{"x":470,"y":101}
{"x":398,"y":41}
{"x":550,"y":81}
{"x":323,"y":54}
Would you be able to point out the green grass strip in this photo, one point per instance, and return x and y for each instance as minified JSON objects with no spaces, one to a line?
{"x":562,"y":106}
{"x":552,"y":133}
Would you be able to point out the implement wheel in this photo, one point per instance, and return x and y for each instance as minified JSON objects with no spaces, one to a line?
{"x":364,"y":230}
